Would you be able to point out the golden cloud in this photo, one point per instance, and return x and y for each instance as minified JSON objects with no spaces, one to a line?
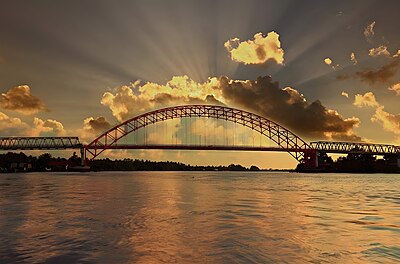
{"x":395,"y":88}
{"x":11,"y":126}
{"x":260,"y":50}
{"x":345,"y":94}
{"x":368,"y":99}
{"x":328,"y":61}
{"x":127,"y":101}
{"x":353,"y":58}
{"x":379,"y":51}
{"x":390,"y":122}
{"x":47,"y":127}
{"x":369,"y":31}
{"x":20,"y":99}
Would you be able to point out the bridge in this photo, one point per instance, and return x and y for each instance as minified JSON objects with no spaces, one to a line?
{"x":282,"y":138}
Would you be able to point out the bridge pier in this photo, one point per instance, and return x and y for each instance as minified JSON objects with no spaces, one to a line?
{"x":398,"y":161}
{"x":82,"y":156}
{"x":311,"y":158}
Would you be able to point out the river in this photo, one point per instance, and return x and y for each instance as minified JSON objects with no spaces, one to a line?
{"x":199,"y":217}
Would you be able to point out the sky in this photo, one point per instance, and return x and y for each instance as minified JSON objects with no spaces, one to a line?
{"x":325,"y":70}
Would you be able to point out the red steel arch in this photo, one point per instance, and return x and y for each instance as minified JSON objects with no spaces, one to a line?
{"x":283,"y":137}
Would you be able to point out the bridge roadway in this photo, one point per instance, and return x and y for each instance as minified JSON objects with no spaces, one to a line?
{"x":197,"y":147}
{"x":54,"y":143}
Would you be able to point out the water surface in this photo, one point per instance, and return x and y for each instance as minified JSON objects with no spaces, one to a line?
{"x":199,"y":217}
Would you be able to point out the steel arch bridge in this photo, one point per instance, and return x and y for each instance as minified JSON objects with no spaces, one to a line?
{"x":282,"y":137}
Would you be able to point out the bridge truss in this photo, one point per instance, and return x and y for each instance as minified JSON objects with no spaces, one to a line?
{"x":282,"y":137}
{"x":31,"y":143}
{"x":352,"y":147}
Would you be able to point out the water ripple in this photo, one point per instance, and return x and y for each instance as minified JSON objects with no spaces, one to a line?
{"x":199,"y":217}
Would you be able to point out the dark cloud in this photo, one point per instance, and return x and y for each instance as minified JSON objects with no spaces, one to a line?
{"x":165,"y":99}
{"x":289,"y":108}
{"x":343,"y":77}
{"x":96,"y":125}
{"x":383,"y":75}
{"x":21,"y":100}
{"x":285,"y":106}
{"x":93,"y":127}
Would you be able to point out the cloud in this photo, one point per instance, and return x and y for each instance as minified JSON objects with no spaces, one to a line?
{"x":379,"y":51}
{"x":395,"y":88}
{"x":382,"y":75}
{"x":260,"y":50}
{"x":96,"y":125}
{"x":127,"y":101}
{"x":289,"y":108}
{"x":11,"y":126}
{"x":47,"y":127}
{"x":286,"y":106}
{"x":390,"y":122}
{"x":368,"y":99}
{"x":221,"y":133}
{"x":369,"y":31}
{"x":328,"y":61}
{"x":345,"y":94}
{"x":353,"y":58}
{"x":169,"y":136}
{"x":93,"y":127}
{"x":21,"y":100}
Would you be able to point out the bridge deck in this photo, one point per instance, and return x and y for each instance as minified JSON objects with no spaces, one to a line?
{"x":328,"y":148}
{"x":197,"y":147}
{"x":54,"y":143}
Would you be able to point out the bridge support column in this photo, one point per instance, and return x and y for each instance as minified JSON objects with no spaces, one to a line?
{"x":398,"y":161}
{"x":311,"y":159}
{"x":82,"y":156}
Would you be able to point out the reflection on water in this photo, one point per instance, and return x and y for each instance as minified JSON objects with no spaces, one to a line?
{"x":199,"y":217}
